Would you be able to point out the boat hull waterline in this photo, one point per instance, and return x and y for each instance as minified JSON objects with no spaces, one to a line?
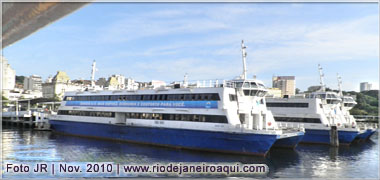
{"x":236,"y":143}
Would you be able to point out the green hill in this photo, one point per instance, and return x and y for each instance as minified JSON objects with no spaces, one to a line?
{"x":368,"y":103}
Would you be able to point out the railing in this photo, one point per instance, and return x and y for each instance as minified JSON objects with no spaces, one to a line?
{"x":366,"y":118}
{"x":291,"y":126}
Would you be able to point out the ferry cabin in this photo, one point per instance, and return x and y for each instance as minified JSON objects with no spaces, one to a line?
{"x":213,"y":105}
{"x":318,"y":111}
{"x":177,"y":117}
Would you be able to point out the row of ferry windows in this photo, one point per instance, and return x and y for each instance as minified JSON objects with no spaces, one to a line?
{"x":295,"y":105}
{"x":148,"y":97}
{"x":299,"y":120}
{"x":157,"y":116}
{"x":179,"y":117}
{"x":254,"y":93}
{"x":86,"y":113}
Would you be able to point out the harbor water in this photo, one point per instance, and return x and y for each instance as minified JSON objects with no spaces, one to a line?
{"x":360,"y":160}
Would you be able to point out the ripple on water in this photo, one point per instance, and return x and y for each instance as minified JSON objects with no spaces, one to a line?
{"x":318,"y":161}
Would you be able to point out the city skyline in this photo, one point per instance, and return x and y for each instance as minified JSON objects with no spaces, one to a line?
{"x":163,"y":41}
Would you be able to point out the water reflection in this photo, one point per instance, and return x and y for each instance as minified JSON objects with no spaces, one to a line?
{"x":359,"y":160}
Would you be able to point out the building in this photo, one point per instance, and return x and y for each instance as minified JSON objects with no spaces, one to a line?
{"x":33,"y":83}
{"x":275,"y":92}
{"x":59,"y":85}
{"x":130,"y":84}
{"x":8,"y":76}
{"x":365,"y":86}
{"x":156,"y":84}
{"x":116,"y":82}
{"x":286,"y":84}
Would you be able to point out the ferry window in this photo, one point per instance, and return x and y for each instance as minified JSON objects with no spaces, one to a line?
{"x":177,"y":117}
{"x":254,"y":92}
{"x":215,"y":97}
{"x":239,"y":84}
{"x":194,"y":96}
{"x":205,"y":96}
{"x":261,"y":85}
{"x":233,"y":97}
{"x":261,"y":93}
{"x":181,"y":96}
{"x":146,"y":97}
{"x":294,"y":119}
{"x":199,"y":97}
{"x":188,"y":97}
{"x":246,"y":85}
{"x":246,"y":92}
{"x":171,"y":97}
{"x":289,"y":105}
{"x":253,"y":84}
{"x":329,"y":96}
{"x":165,"y":97}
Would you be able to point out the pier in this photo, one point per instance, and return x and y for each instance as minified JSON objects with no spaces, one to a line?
{"x":30,"y":113}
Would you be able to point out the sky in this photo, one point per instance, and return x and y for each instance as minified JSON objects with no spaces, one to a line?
{"x":164,"y":41}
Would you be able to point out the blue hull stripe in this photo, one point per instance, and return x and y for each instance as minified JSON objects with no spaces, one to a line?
{"x":242,"y":143}
{"x":323,"y":136}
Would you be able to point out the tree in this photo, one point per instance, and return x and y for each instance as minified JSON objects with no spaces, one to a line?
{"x":298,"y":91}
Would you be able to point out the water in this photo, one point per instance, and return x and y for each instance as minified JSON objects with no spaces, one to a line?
{"x":360,"y":160}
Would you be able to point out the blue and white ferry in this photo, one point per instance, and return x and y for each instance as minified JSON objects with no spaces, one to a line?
{"x":343,"y":110}
{"x":226,"y":117}
{"x":317,"y":111}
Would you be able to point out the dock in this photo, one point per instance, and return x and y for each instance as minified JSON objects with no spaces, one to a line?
{"x":30,"y":113}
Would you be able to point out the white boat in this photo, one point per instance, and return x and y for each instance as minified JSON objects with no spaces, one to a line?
{"x":318,"y":112}
{"x":230,"y":116}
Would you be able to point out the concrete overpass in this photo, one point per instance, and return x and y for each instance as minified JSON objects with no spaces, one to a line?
{"x":20,"y":19}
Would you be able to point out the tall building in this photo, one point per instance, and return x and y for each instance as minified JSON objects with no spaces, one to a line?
{"x":287,"y":84}
{"x":8,"y":76}
{"x":33,"y":83}
{"x":365,"y":86}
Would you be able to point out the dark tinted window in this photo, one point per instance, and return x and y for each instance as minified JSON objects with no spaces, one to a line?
{"x":302,"y":105}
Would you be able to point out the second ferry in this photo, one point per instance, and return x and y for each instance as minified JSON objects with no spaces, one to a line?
{"x":229,"y":117}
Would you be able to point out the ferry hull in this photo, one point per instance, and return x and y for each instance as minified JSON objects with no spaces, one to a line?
{"x":289,"y":142}
{"x":347,"y":137}
{"x":323,"y":136}
{"x":239,"y":143}
{"x":366,"y":134}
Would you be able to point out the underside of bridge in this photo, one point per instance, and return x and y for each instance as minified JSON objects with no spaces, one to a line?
{"x":20,"y":19}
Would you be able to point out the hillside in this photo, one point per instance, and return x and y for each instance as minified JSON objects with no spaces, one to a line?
{"x":368,"y":103}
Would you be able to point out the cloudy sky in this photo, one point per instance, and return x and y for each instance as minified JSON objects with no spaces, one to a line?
{"x":163,"y":41}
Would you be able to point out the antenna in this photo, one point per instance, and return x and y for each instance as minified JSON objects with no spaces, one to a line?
{"x":339,"y":84}
{"x":244,"y":55}
{"x":93,"y":73}
{"x":185,"y":81}
{"x":321,"y":75}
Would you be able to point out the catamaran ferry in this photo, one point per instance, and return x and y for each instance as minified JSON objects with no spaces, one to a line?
{"x":228,"y":117}
{"x":318,"y":111}
{"x":345,"y":106}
